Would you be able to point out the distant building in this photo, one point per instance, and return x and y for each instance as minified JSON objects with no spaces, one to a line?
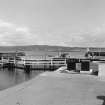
{"x":95,"y":54}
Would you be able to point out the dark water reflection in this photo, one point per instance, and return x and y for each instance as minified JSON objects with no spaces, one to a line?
{"x":9,"y":78}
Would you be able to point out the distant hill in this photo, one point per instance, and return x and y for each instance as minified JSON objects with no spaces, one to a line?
{"x":46,"y":48}
{"x":45,"y":51}
{"x":39,"y":48}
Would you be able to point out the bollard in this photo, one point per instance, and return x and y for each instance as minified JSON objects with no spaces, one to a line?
{"x":11,"y":66}
{"x":27,"y":68}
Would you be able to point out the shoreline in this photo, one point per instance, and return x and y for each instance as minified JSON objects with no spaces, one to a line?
{"x":22,"y":83}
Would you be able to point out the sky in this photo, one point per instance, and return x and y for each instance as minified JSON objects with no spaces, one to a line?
{"x":73,"y":23}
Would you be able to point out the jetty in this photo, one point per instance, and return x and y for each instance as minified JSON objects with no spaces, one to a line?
{"x":15,"y":60}
{"x":11,"y":60}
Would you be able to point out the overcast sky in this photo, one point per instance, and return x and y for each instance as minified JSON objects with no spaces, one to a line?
{"x":52,"y":22}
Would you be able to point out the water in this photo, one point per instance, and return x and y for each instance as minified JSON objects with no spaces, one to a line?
{"x":17,"y":76}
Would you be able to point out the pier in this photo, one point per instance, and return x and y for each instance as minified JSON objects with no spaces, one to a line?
{"x":15,"y":60}
{"x":75,"y":64}
{"x":29,"y":65}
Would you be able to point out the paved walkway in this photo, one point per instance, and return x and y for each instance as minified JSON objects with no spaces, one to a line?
{"x":51,"y":88}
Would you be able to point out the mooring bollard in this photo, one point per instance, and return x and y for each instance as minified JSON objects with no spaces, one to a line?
{"x":11,"y":66}
{"x":27,"y":68}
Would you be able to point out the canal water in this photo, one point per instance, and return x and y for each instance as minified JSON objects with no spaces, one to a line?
{"x":10,"y":78}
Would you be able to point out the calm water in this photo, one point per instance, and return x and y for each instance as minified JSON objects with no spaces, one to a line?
{"x":12,"y":78}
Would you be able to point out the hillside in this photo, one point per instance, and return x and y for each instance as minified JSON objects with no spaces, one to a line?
{"x":39,"y":48}
{"x":43,"y":51}
{"x":47,"y":48}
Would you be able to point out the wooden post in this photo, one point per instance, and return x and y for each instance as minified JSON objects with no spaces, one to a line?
{"x":8,"y":59}
{"x":14,"y":61}
{"x":51,"y":62}
{"x":24,"y":61}
{"x":65,"y":61}
{"x":2,"y":61}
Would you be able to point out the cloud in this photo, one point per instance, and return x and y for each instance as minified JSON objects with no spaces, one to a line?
{"x":92,"y":38}
{"x":95,"y":38}
{"x":11,"y":34}
{"x":5,"y":24}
